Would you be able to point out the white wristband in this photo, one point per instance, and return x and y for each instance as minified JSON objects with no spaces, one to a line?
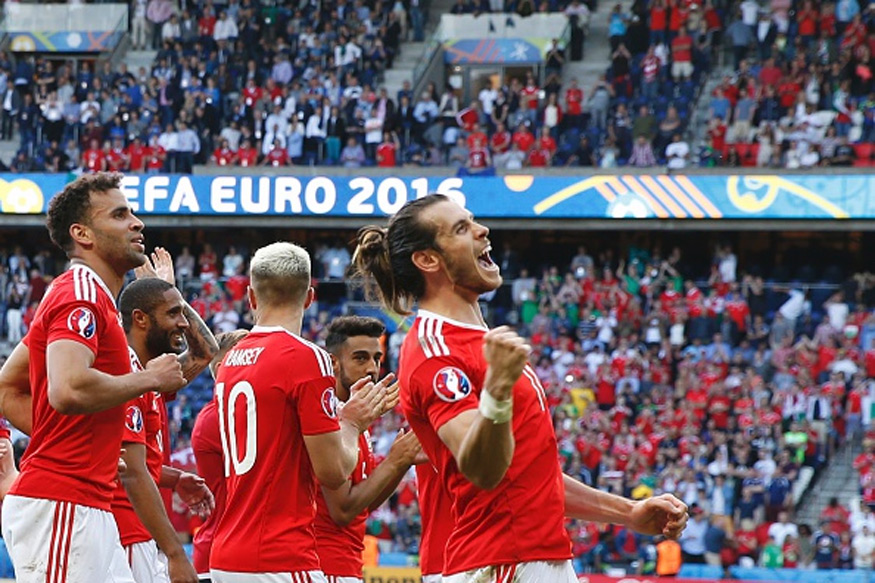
{"x":495,"y":410}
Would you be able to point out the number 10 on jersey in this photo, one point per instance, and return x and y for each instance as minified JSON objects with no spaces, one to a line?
{"x":228,"y":427}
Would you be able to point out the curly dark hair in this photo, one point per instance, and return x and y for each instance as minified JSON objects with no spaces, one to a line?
{"x":73,"y":205}
{"x":348,"y":326}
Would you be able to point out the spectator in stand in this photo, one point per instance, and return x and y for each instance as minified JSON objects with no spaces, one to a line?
{"x":677,"y":153}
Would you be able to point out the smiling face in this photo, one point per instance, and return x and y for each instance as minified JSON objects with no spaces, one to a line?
{"x":116,"y":233}
{"x":167,"y":326}
{"x":463,"y":248}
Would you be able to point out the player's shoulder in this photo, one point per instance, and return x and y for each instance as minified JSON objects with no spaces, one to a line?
{"x":79,"y":284}
{"x":436,"y":336}
{"x":284,"y":349}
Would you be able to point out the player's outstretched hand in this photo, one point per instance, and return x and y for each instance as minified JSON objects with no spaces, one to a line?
{"x":180,"y":570}
{"x":406,"y":449}
{"x":8,"y":472}
{"x":664,"y":514}
{"x":506,"y":353}
{"x":193,"y":490}
{"x":366,"y":403}
{"x":167,"y":372}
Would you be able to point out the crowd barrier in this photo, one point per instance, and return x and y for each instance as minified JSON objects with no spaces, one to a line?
{"x":665,"y":196}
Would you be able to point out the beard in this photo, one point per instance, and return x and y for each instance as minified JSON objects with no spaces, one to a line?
{"x":466,"y":275}
{"x":160,"y":341}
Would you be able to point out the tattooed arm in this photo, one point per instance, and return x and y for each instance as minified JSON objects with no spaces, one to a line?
{"x":202,"y":345}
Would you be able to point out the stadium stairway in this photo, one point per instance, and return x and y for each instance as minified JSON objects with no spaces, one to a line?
{"x":136,"y":59}
{"x":838,"y":479}
{"x":402,"y":68}
{"x":596,"y":50}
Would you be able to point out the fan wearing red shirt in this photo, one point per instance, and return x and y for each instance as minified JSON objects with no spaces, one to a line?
{"x":206,"y":444}
{"x":682,"y":54}
{"x":354,"y":345}
{"x":224,"y":155}
{"x":500,"y":140}
{"x":478,"y":157}
{"x":278,"y":156}
{"x":573,"y":102}
{"x":539,"y":157}
{"x":137,"y":153}
{"x":93,"y":159}
{"x":478,"y":408}
{"x":281,"y":432}
{"x":476,"y":137}
{"x":116,"y":159}
{"x":80,"y":376}
{"x":387,"y":151}
{"x":247,"y":155}
{"x":523,"y":138}
{"x":155,"y":156}
{"x":157,"y":321}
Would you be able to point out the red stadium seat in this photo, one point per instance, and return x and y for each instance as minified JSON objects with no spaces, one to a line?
{"x":863,"y":154}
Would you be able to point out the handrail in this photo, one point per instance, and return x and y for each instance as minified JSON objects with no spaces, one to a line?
{"x":432,"y":50}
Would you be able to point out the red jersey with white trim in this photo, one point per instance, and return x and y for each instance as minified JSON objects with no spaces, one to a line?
{"x":436,"y":513}
{"x":74,"y":458}
{"x":4,"y":429}
{"x":442,"y":371}
{"x":340,"y":547}
{"x":145,"y":418}
{"x":272,"y":389}
{"x":206,"y":442}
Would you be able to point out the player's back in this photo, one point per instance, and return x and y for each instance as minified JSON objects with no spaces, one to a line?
{"x":207,"y":446}
{"x":441,"y":372}
{"x":272,"y":389}
{"x":74,"y":458}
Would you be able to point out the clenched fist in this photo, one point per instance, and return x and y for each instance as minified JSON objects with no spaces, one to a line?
{"x":167,"y":373}
{"x":506,"y":355}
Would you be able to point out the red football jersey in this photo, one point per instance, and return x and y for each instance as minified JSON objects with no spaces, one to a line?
{"x":441,"y":372}
{"x":206,"y":442}
{"x":272,"y":389}
{"x":340,"y":547}
{"x":436,"y":514}
{"x":145,"y":418}
{"x":4,"y":429}
{"x":93,"y":160}
{"x":74,"y":458}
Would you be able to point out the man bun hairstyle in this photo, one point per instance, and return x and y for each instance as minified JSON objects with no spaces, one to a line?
{"x":383,"y":258}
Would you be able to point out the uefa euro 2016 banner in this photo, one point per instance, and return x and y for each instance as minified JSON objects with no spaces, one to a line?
{"x":674,"y":196}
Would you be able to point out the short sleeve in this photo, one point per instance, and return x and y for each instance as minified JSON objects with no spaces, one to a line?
{"x":443,"y":388}
{"x":317,"y":406}
{"x":135,"y":426}
{"x":75,"y":321}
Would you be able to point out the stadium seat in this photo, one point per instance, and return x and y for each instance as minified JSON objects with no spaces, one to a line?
{"x":863,"y":154}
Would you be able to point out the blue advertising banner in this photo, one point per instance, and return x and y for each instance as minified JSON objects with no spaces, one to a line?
{"x":63,"y":42}
{"x":493,"y":50}
{"x":522,"y":196}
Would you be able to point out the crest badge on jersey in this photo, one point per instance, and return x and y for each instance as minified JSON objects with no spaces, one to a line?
{"x":82,"y":322}
{"x":329,"y":402}
{"x":134,"y":419}
{"x":451,"y":384}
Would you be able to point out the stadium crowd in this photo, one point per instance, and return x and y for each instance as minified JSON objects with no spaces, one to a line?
{"x":244,"y":84}
{"x":720,"y":391}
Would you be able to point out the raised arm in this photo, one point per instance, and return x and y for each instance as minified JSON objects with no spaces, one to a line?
{"x":482,"y":440}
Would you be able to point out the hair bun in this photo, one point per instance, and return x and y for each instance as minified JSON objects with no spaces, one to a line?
{"x":373,"y":240}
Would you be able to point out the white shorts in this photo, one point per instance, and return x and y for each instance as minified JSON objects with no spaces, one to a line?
{"x":432,"y":578}
{"x":148,"y":564}
{"x":297,"y":577}
{"x":62,"y":542}
{"x":533,"y":572}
